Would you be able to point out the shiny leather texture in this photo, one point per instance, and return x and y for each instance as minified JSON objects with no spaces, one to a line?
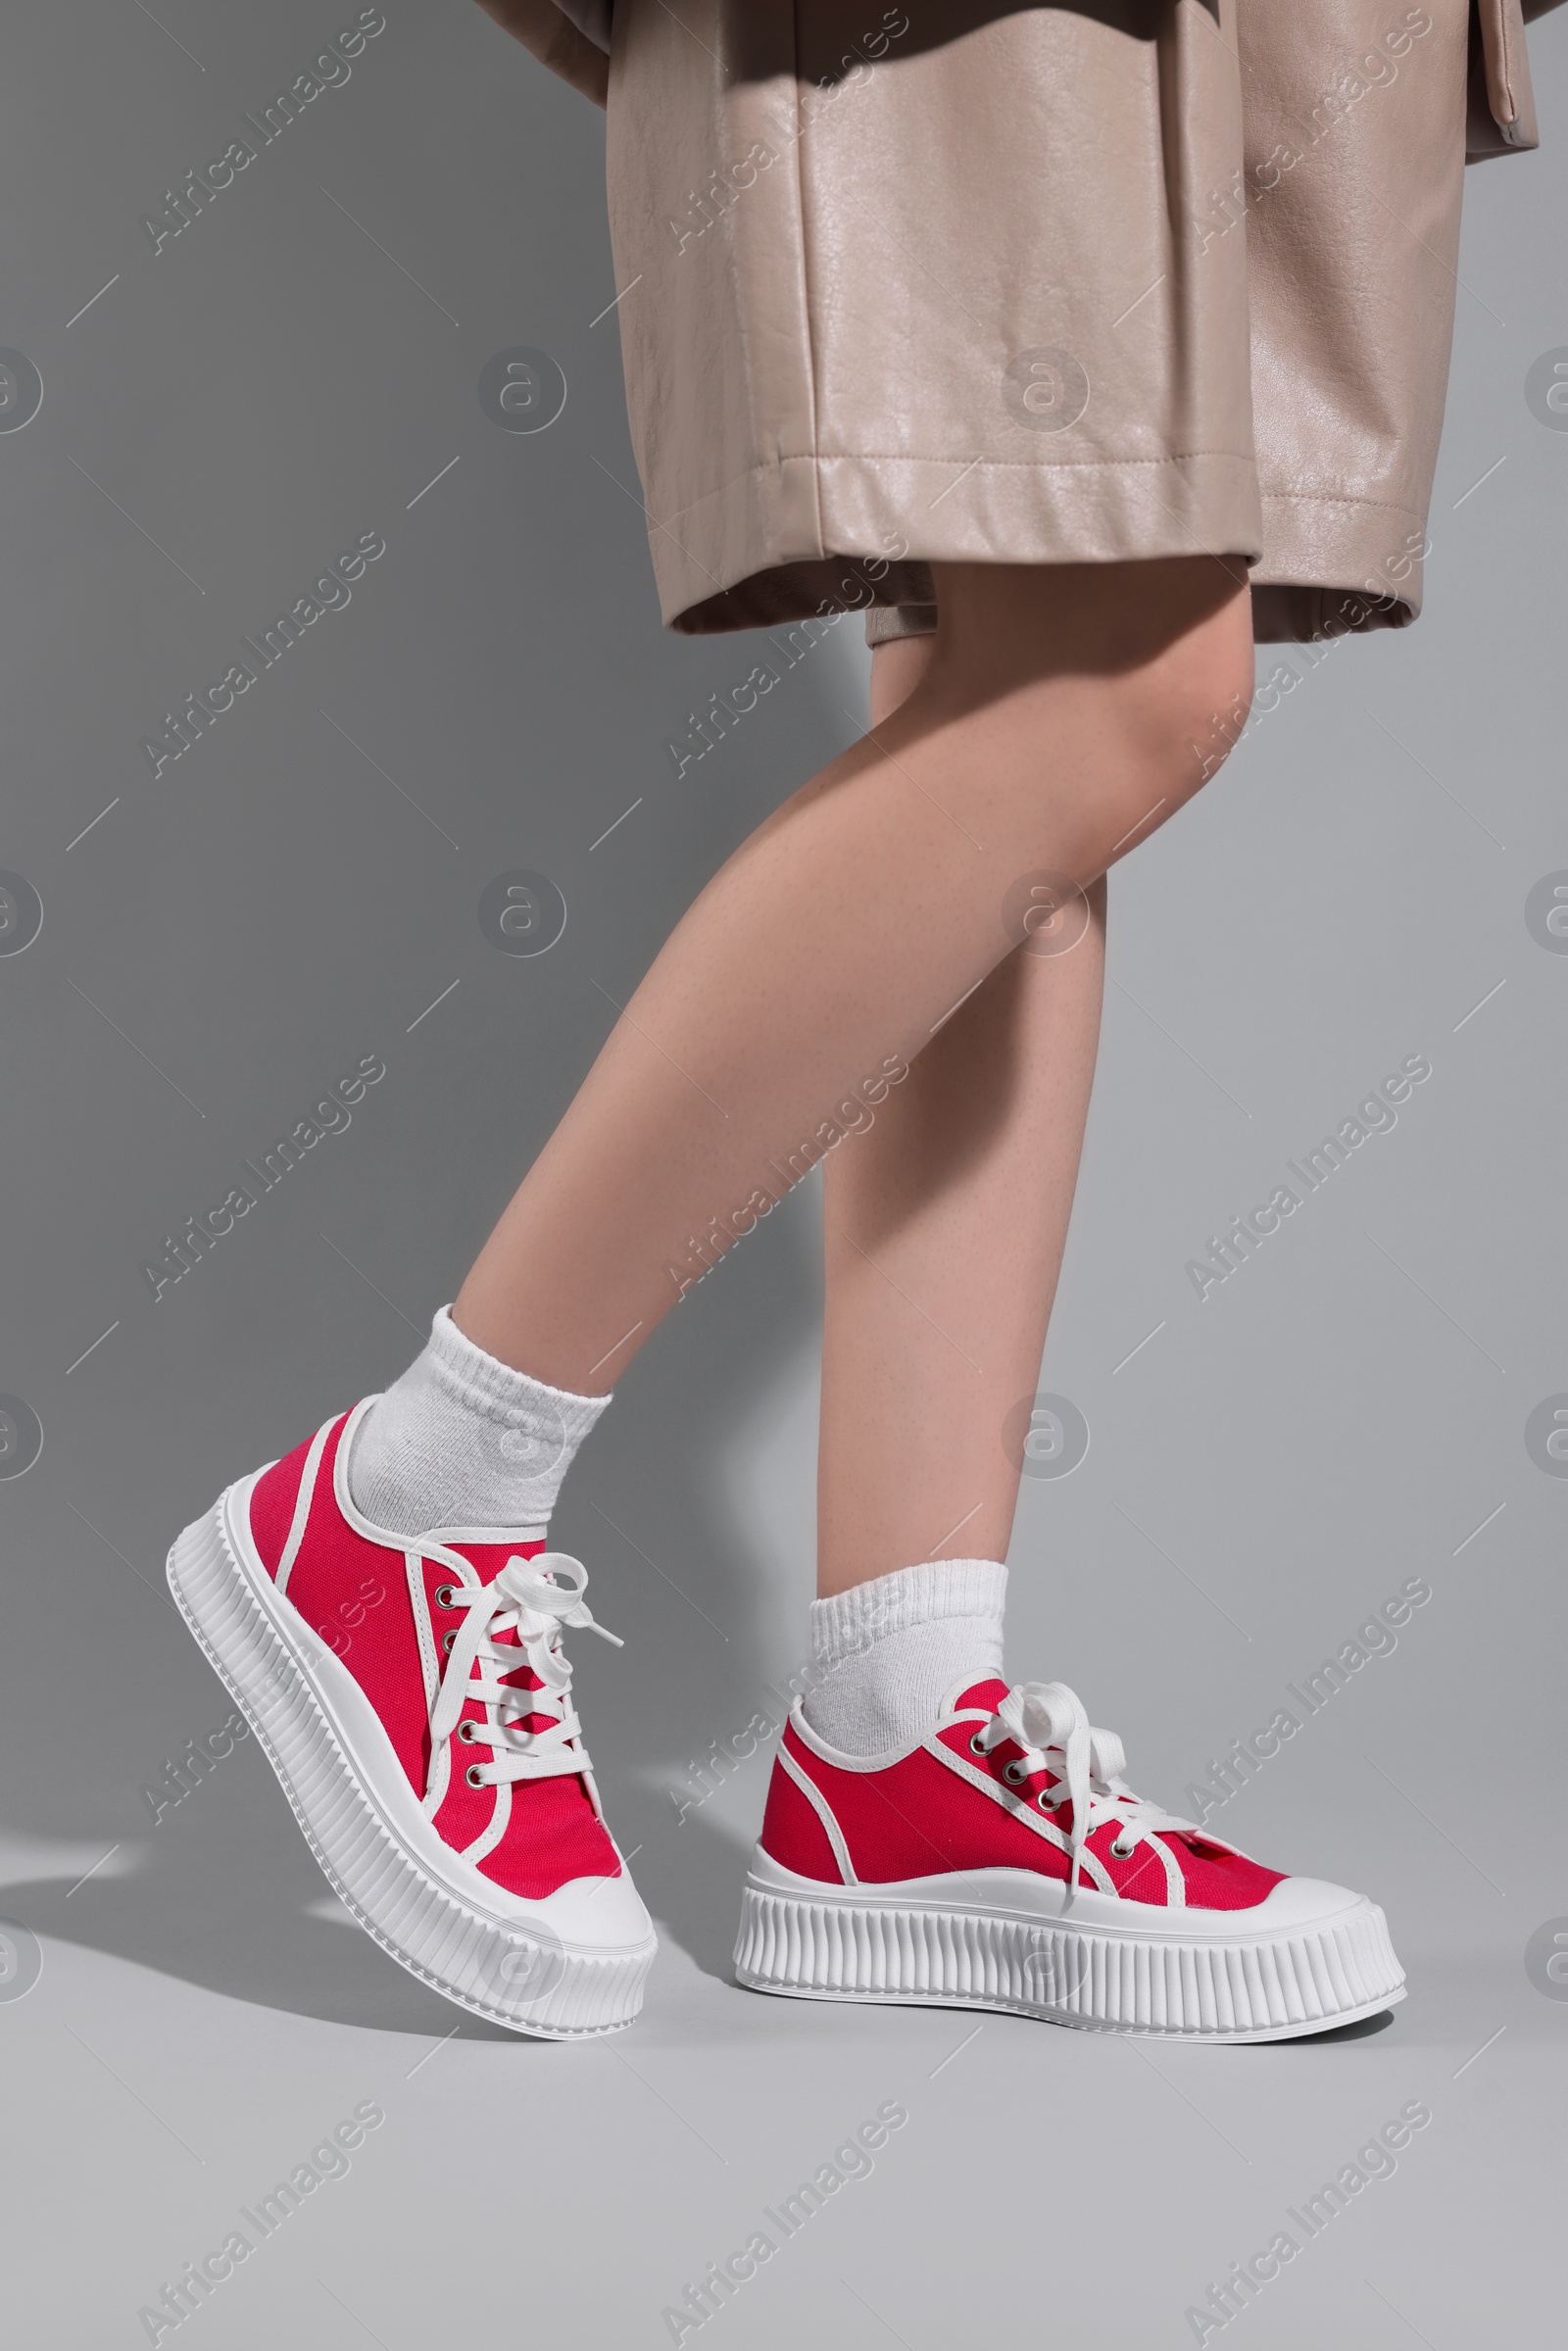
{"x":990,"y":281}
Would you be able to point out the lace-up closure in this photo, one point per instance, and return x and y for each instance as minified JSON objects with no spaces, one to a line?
{"x":414,"y":1695}
{"x":1047,"y":1721}
{"x":512,"y":1623}
{"x":952,"y":1872}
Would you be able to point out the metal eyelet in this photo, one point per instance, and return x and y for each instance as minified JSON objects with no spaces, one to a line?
{"x":447,"y":1638}
{"x":472,"y":1775}
{"x":976,"y":1745}
{"x":466,"y":1733}
{"x":443,"y":1595}
{"x":1047,"y":1801}
{"x":1122,"y":1852}
{"x":1014,"y":1773}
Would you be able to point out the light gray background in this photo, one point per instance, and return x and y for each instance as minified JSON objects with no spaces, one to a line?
{"x":295,"y":893}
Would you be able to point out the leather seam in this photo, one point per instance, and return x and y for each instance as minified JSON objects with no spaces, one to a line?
{"x":806,"y":285}
{"x":906,"y":457}
{"x":1384,"y":506}
{"x":1510,"y":73}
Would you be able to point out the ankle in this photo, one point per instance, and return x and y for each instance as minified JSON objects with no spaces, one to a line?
{"x":886,"y":1654}
{"x":461,"y":1440}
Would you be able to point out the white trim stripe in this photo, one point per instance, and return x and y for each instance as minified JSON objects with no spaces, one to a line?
{"x":1175,"y":1878}
{"x":499,"y":1814}
{"x":824,"y":1813}
{"x":439,"y":1768}
{"x":1022,"y":1809}
{"x":302,"y":1505}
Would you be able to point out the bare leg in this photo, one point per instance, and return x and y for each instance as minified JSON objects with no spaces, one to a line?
{"x":945,"y":1227}
{"x":1054,"y":725}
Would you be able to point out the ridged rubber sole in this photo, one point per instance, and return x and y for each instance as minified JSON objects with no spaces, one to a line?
{"x":515,"y":1973}
{"x":1253,"y":1989}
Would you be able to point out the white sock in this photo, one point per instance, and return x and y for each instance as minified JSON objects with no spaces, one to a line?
{"x":465,"y":1440}
{"x":885,"y":1655}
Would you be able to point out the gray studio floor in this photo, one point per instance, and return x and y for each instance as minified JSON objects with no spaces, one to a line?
{"x":186,"y":2018}
{"x":205,"y":2019}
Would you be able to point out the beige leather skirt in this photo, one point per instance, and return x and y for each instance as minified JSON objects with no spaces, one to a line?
{"x":972,"y":280}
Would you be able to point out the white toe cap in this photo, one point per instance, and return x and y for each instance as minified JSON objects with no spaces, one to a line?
{"x":1303,"y":1902}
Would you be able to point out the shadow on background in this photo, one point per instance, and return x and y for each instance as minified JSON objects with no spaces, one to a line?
{"x":223,"y":1892}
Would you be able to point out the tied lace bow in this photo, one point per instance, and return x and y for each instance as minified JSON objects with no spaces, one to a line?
{"x":1047,"y":1721}
{"x":535,"y":1600}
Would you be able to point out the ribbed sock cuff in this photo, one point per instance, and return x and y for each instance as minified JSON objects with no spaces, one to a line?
{"x":462,"y":1440}
{"x":886,"y":1655}
{"x":485,"y":1383}
{"x":541,"y":1425}
{"x":850,"y":1622}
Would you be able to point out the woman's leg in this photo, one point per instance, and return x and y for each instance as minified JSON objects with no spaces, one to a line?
{"x":945,"y":1228}
{"x":1056,"y":723}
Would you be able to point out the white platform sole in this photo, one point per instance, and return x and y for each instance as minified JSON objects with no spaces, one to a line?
{"x":1000,"y":1948}
{"x":516,"y":1963}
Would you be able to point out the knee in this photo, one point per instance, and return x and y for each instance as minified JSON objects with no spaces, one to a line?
{"x":1187,"y":714}
{"x":1163,"y":650}
{"x":1176,"y":720}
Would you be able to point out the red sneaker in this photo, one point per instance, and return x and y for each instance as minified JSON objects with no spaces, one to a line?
{"x":429,"y":1749}
{"x":1004,"y":1862}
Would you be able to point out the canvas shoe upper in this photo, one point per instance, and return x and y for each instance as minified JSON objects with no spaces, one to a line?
{"x":415,"y":1696}
{"x":1006,"y":1779}
{"x":450,"y":1637}
{"x":1004,"y":1860}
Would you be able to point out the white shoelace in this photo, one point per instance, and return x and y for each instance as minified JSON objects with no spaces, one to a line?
{"x":536,"y":1599}
{"x":1047,"y":1720}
